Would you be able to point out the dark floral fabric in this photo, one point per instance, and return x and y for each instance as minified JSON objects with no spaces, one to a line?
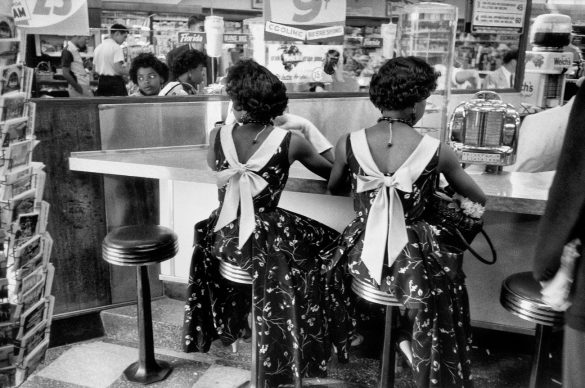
{"x":423,"y":278}
{"x":299,"y":303}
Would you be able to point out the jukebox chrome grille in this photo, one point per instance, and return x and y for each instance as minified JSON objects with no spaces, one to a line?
{"x":484,"y":129}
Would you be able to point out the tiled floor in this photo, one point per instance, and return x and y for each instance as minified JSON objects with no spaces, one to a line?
{"x":100,"y":363}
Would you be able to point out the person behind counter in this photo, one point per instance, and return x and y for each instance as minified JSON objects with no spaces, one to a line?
{"x":278,"y":248}
{"x":188,"y":70}
{"x":393,"y":171}
{"x":73,"y":67}
{"x":151,"y":75}
{"x":503,"y":76}
{"x":563,"y":221}
{"x":108,"y":61}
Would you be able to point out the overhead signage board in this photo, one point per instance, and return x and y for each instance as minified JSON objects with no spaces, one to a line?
{"x":65,"y":17}
{"x":503,"y":16}
{"x":314,"y":21}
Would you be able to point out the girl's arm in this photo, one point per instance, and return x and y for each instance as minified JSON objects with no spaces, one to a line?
{"x":301,"y":150}
{"x":211,"y":150}
{"x":338,"y":182}
{"x":457,"y":177}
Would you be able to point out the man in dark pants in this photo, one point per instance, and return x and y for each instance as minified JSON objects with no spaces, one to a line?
{"x":108,"y":61}
{"x":563,"y":221}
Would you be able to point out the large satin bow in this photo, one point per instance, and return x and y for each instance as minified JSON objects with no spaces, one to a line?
{"x":242,"y":185}
{"x":386,"y":227}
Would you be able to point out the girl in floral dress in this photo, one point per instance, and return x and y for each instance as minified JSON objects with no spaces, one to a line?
{"x":392,"y":171}
{"x":296,"y":317}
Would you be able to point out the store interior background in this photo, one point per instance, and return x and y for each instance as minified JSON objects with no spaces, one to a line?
{"x":84,"y":284}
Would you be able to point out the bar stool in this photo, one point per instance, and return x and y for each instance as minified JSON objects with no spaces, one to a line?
{"x":238,"y":275}
{"x":140,"y":246}
{"x":374,"y":295}
{"x":521,"y":296}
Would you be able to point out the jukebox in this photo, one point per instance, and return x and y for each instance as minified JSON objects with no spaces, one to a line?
{"x":484,"y":130}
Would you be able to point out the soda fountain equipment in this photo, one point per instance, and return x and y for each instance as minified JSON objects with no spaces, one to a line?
{"x":546,"y":63}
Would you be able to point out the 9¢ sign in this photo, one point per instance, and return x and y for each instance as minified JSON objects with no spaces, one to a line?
{"x":42,"y":13}
{"x":307,"y":12}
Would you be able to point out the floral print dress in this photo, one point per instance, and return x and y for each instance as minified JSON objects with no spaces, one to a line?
{"x":299,"y":309}
{"x":421,"y":278}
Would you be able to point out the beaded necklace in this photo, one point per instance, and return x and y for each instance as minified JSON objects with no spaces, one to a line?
{"x":392,"y":120}
{"x":266,"y":123}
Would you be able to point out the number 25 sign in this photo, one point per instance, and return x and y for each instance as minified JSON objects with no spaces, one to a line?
{"x":306,"y":12}
{"x":44,"y":13}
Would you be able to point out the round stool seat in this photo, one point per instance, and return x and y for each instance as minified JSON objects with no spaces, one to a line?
{"x":139,"y":245}
{"x":521,"y":296}
{"x":234,"y":273}
{"x":373,"y":294}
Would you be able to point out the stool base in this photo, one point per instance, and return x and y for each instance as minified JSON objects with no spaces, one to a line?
{"x":157,"y":372}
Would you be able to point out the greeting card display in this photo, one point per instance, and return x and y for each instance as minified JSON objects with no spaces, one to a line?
{"x":26,"y":275}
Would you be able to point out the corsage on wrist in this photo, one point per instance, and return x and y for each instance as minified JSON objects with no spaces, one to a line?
{"x":468,"y":207}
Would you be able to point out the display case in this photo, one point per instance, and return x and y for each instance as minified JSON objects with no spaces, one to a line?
{"x":427,"y":30}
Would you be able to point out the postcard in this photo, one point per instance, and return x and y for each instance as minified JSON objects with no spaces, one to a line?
{"x":7,"y":312}
{"x":31,"y":279}
{"x":11,"y":78}
{"x":12,"y":105}
{"x":31,"y":362}
{"x":7,"y":333}
{"x":29,"y":342}
{"x":25,"y":227}
{"x":14,"y":130}
{"x":23,"y":203}
{"x":32,"y":317}
{"x":6,"y":355}
{"x":30,"y":251}
{"x":28,"y":298}
{"x":18,"y":155}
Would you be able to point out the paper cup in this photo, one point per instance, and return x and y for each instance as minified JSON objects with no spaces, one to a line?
{"x":214,"y":31}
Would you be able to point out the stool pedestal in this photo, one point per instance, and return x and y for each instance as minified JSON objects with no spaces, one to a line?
{"x":520,"y":295}
{"x":139,"y":246}
{"x":147,"y":369}
{"x":388,"y":359}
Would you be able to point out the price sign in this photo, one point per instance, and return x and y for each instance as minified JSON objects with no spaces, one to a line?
{"x":498,"y":15}
{"x":65,"y":17}
{"x":323,"y":20}
{"x":307,"y":12}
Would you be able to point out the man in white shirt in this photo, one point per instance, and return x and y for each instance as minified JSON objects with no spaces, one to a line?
{"x":109,"y":63}
{"x":503,"y":77}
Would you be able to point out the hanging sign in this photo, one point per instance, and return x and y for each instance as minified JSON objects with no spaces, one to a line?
{"x":236,"y":38}
{"x":503,"y":16}
{"x":186,"y":37}
{"x":65,"y":17}
{"x":317,"y":21}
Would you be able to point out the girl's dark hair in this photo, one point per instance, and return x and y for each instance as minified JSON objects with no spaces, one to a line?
{"x":188,"y":60}
{"x":145,"y":60}
{"x":256,"y":90}
{"x":402,"y":82}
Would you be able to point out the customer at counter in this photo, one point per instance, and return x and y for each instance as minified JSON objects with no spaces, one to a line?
{"x":151,"y":75}
{"x":540,"y":138}
{"x":188,"y":70}
{"x":73,"y":67}
{"x":563,"y":221}
{"x":392,"y":171}
{"x":278,"y":248}
{"x":195,"y":23}
{"x":108,"y":63}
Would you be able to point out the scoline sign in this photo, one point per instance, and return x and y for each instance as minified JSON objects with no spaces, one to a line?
{"x":65,"y":17}
{"x":305,"y":20}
